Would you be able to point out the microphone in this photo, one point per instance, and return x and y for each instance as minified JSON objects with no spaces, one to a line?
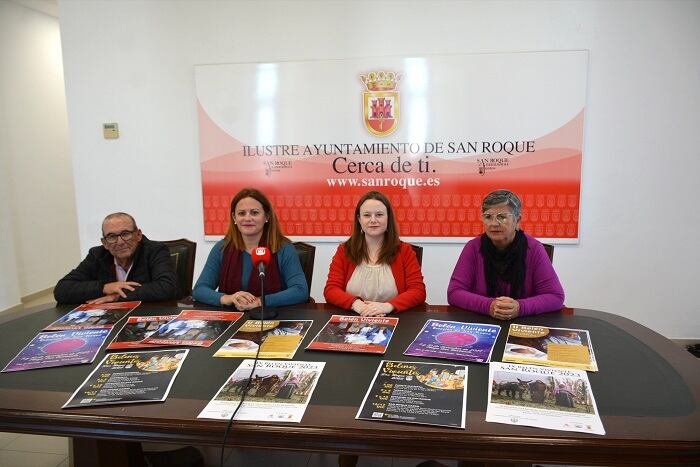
{"x":261,"y":258}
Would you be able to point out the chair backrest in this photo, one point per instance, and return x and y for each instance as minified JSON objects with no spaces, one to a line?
{"x":550,"y":251}
{"x":182,"y":252}
{"x":419,"y":253}
{"x":307,"y":255}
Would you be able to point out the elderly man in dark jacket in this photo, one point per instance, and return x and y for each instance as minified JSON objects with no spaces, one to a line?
{"x":127,"y":266}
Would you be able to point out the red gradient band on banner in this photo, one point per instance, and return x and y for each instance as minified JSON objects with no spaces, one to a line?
{"x":547,"y":180}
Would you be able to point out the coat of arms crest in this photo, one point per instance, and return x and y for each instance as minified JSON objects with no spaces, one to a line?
{"x":380,"y":102}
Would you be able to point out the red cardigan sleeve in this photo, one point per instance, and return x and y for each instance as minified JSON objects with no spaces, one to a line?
{"x":339,"y":274}
{"x":409,"y":279}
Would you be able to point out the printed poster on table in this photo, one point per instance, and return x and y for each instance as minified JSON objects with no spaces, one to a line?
{"x":280,"y":339}
{"x":89,"y":316}
{"x":541,"y":345}
{"x":453,"y":340}
{"x":123,"y":378}
{"x":136,"y":329}
{"x":278,"y":392}
{"x":59,"y":348}
{"x":355,"y":334}
{"x":543,"y":397}
{"x":198,"y":328}
{"x":417,"y":392}
{"x":434,"y":133}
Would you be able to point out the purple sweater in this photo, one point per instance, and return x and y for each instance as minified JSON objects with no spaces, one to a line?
{"x":542,"y":291}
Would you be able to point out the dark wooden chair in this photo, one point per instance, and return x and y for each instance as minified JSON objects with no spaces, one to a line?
{"x":307,"y":255}
{"x":550,"y":251}
{"x":182,"y":252}
{"x":419,"y":253}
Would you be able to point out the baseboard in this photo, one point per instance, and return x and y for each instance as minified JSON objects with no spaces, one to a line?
{"x":686,"y":342}
{"x":35,"y":295}
{"x":12,"y":309}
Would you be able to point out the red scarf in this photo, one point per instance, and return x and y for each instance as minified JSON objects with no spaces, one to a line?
{"x":231,"y":272}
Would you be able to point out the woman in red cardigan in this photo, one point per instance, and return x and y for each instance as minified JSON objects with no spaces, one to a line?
{"x":374,"y":273}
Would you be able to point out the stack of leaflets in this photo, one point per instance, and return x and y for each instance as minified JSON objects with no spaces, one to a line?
{"x":276,"y":391}
{"x":122,"y":378}
{"x":355,"y":334}
{"x":279,"y":339}
{"x":540,"y":345}
{"x":453,"y":340}
{"x":136,"y":329}
{"x":74,"y":339}
{"x":199,"y":328}
{"x":417,"y":392}
{"x":90,"y":316}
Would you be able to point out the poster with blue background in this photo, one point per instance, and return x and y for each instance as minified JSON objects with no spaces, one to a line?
{"x":454,"y":340}
{"x":59,"y":348}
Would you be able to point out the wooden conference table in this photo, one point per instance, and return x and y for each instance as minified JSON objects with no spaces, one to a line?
{"x":647,"y":391}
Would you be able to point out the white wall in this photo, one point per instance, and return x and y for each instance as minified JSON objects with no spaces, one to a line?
{"x":131,"y":62}
{"x":9,"y":285}
{"x":39,"y":214}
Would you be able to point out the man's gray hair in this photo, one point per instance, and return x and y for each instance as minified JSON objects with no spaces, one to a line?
{"x":119,"y":214}
{"x":507,"y":197}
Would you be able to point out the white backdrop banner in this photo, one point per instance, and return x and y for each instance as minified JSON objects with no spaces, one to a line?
{"x":434,"y":133}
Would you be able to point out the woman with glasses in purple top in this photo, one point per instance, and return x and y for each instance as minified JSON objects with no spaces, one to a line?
{"x":504,"y":273}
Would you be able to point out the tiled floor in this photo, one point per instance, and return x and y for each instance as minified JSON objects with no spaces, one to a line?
{"x":18,"y":450}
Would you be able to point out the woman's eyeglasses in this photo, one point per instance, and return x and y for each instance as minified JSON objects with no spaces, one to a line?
{"x":500,"y":218}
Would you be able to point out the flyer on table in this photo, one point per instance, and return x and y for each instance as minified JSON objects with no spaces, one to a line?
{"x":123,"y":378}
{"x":417,"y":392}
{"x":89,"y":316}
{"x":60,"y":348}
{"x":544,"y":397}
{"x":279,"y":391}
{"x":136,"y":329}
{"x":453,"y":340}
{"x":355,"y":334}
{"x":540,"y":345}
{"x":198,"y":328}
{"x":280,"y":339}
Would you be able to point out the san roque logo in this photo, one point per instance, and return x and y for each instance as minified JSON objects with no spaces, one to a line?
{"x":380,"y":102}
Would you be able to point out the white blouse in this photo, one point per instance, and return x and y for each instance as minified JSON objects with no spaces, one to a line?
{"x":374,"y":283}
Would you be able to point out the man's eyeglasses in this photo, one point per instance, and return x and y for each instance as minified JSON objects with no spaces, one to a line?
{"x":125,"y":235}
{"x":500,"y":218}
